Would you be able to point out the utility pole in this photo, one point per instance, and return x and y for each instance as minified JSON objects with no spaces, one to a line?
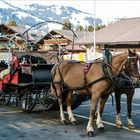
{"x":91,"y":52}
{"x":94,"y":33}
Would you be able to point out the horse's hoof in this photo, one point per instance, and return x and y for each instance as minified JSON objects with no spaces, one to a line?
{"x":90,"y":133}
{"x":131,"y":127}
{"x":64,"y":122}
{"x":101,"y":129}
{"x":119,"y":126}
{"x":74,"y":123}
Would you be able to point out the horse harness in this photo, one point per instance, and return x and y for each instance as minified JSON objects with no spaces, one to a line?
{"x":85,"y":86}
{"x":108,"y":75}
{"x":124,"y":79}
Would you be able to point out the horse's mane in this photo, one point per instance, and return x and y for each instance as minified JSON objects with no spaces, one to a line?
{"x":116,"y":55}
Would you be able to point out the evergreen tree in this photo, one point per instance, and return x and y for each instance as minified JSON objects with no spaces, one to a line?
{"x":11,"y":22}
{"x":90,"y":28}
{"x":98,"y":27}
{"x":79,"y":28}
{"x":67,"y":25}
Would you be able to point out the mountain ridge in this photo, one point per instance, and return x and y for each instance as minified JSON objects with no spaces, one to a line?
{"x":33,"y":13}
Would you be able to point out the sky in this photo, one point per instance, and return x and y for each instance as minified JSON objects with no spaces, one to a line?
{"x":104,"y":9}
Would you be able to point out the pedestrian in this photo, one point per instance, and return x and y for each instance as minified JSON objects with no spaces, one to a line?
{"x":107,"y":56}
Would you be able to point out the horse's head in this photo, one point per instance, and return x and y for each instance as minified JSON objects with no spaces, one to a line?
{"x":127,"y":62}
{"x":132,"y":66}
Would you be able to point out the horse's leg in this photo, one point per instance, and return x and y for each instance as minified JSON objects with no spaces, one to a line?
{"x":60,"y":101}
{"x":118,"y":108}
{"x":100,"y":109}
{"x":69,"y":110}
{"x":99,"y":124}
{"x":62,"y":116}
{"x":94,"y":102}
{"x":101,"y":106}
{"x":129,"y":108}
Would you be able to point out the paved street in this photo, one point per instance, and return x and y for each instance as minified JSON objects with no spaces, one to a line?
{"x":17,"y":125}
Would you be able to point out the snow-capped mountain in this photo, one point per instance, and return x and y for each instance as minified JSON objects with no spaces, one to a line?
{"x":32,"y":13}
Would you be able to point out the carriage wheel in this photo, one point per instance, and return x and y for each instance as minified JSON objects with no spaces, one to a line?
{"x":5,"y":98}
{"x":28,"y":102}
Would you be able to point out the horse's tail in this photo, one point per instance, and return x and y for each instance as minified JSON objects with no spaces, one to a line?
{"x":53,"y":71}
{"x":56,"y":78}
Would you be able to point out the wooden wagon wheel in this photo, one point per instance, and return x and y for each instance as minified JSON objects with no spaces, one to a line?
{"x":28,"y":102}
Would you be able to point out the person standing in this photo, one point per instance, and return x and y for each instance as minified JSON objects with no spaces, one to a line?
{"x":107,"y":56}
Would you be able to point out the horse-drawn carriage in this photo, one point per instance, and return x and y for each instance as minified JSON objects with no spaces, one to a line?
{"x":26,"y":79}
{"x":26,"y":84}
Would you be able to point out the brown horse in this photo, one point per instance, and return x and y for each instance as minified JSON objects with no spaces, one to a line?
{"x":118,"y":92}
{"x":95,"y":82}
{"x":127,"y":89}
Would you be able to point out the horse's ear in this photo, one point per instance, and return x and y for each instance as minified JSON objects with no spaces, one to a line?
{"x":130,"y":52}
{"x":134,"y":51}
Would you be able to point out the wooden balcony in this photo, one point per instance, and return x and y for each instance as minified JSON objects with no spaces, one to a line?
{"x":56,"y":41}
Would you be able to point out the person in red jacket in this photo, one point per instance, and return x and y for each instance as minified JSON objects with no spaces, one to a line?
{"x":11,"y":67}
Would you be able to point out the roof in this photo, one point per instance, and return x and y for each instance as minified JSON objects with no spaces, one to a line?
{"x":68,"y":34}
{"x":125,"y":31}
{"x":121,"y":32}
{"x":86,"y":39}
{"x":19,"y":29}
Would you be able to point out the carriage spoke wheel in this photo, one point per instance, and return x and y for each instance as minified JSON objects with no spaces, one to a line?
{"x":28,"y":102}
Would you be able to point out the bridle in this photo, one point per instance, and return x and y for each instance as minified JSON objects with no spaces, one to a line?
{"x":130,"y":64}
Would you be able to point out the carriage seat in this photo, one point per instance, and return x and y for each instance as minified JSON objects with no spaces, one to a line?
{"x":26,"y":69}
